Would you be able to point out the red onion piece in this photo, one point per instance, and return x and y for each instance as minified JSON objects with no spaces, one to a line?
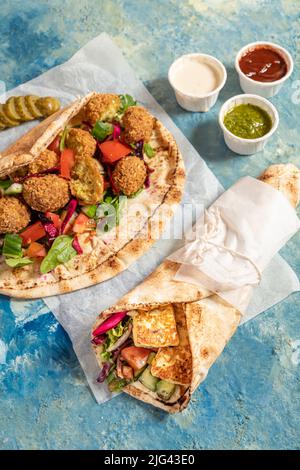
{"x":76,"y":246}
{"x":54,"y":169}
{"x":71,"y":209}
{"x":116,"y":132}
{"x":110,"y":323}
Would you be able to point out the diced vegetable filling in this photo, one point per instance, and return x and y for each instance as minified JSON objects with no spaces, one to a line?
{"x":123,"y":363}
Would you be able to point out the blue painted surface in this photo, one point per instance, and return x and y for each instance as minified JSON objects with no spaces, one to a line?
{"x":251,"y":396}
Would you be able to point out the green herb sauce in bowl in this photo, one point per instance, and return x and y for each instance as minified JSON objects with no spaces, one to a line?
{"x":248,"y":121}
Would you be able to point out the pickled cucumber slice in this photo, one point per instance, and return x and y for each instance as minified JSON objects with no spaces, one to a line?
{"x":48,"y":105}
{"x":22,"y":109}
{"x":8,"y":122}
{"x":30,"y":101}
{"x":10,"y":109}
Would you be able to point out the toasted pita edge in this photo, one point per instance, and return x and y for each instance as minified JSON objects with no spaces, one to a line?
{"x":285,"y":177}
{"x":146,"y":397}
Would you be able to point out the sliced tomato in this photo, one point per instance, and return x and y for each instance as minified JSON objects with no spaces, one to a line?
{"x":55,"y":219}
{"x":127,"y":372}
{"x":67,"y":161}
{"x":54,"y":146}
{"x":136,"y":357}
{"x":113,"y":151}
{"x":83,"y":223}
{"x":36,"y":250}
{"x":33,"y":233}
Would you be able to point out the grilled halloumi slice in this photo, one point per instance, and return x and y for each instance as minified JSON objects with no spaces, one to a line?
{"x":175,"y":364}
{"x":155,"y":328}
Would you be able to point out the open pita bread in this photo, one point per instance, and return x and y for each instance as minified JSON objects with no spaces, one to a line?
{"x":205,"y":324}
{"x":107,"y":254}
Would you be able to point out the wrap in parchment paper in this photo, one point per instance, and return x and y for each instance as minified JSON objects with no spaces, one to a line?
{"x":204,"y":323}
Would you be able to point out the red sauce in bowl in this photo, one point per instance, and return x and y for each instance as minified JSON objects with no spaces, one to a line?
{"x":263,"y":64}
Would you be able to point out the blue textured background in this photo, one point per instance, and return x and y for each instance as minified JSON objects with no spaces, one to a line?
{"x":251,"y":396}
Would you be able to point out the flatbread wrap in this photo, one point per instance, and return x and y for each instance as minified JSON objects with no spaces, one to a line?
{"x":159,"y":341}
{"x":68,"y":186}
{"x":168,"y":335}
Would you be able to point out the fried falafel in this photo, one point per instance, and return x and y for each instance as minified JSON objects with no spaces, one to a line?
{"x":47,"y":159}
{"x":87,"y":183}
{"x":138,"y":124}
{"x":129,"y":175}
{"x":14,"y":215}
{"x":102,"y":107}
{"x":82,"y":142}
{"x":46,"y":193}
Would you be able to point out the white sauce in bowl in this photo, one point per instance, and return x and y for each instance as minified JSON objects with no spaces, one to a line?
{"x":196,"y":76}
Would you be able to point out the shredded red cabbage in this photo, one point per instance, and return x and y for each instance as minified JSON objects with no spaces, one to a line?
{"x":149,"y":171}
{"x":99,"y":340}
{"x":51,"y":231}
{"x":138,"y":149}
{"x":71,"y":209}
{"x":116,"y":132}
{"x":76,"y":246}
{"x":110,"y":323}
{"x":104,"y":372}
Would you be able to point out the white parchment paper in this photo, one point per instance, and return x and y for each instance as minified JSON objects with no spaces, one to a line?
{"x":100,"y":66}
{"x":236,"y":239}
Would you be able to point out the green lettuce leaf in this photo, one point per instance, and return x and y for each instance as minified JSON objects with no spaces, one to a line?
{"x":60,"y":252}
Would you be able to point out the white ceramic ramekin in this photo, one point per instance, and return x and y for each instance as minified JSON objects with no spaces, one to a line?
{"x":247,"y":146}
{"x":193,"y":102}
{"x":265,"y":89}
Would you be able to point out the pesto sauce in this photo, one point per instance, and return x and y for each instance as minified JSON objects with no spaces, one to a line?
{"x":248,"y":121}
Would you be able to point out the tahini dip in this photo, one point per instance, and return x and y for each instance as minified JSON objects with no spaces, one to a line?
{"x":196,"y":76}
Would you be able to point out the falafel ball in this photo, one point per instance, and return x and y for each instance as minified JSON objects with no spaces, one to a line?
{"x":87,"y":183}
{"x":82,"y":142}
{"x":102,"y":107}
{"x":138,"y":124}
{"x":14,"y":215}
{"x":47,"y":159}
{"x":129,"y":175}
{"x":46,"y":193}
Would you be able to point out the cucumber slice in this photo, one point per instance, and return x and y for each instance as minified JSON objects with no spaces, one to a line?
{"x":151,"y":357}
{"x":90,"y":211}
{"x":139,"y":372}
{"x":10,"y":109}
{"x":30,"y":101}
{"x":22,"y":109}
{"x":148,"y":380}
{"x":165,"y":389}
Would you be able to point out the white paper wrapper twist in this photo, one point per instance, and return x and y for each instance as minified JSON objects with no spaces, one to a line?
{"x":239,"y":235}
